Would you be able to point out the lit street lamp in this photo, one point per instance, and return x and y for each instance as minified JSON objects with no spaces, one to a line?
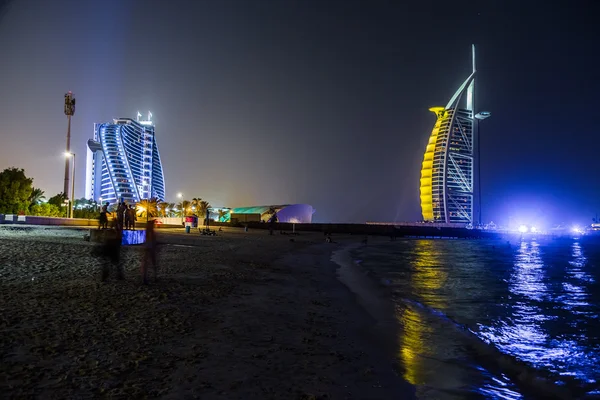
{"x":480,"y":116}
{"x":180,"y":197}
{"x":72,"y":182}
{"x":69,"y":112}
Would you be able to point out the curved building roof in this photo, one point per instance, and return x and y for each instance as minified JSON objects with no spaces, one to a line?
{"x":293,"y":213}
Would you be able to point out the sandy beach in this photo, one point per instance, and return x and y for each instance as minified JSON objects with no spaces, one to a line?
{"x":237,"y":316}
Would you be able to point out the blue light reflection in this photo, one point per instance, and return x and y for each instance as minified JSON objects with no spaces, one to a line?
{"x":546,"y":318}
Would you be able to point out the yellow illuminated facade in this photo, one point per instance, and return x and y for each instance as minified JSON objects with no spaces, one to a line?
{"x":446,"y":188}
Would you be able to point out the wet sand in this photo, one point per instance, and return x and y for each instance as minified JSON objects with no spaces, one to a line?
{"x":237,"y":316}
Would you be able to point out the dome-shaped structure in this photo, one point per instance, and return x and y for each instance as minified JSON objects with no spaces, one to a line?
{"x":291,"y":213}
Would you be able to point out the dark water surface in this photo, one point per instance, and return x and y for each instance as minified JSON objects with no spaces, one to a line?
{"x":462,"y":304}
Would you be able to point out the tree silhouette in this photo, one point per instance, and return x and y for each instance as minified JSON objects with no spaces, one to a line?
{"x":15,"y":191}
{"x":185,"y":208}
{"x":147,"y":208}
{"x":222,"y":215}
{"x":37,"y":196}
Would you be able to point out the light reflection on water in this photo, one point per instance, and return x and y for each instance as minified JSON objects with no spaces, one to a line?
{"x":547,"y":328}
{"x":521,"y":332}
{"x":537,"y":301}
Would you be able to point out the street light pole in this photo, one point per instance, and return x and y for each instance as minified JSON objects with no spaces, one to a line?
{"x":73,"y":187}
{"x":180,"y":196}
{"x":69,"y":112}
{"x":72,"y":200}
{"x":479,"y":116}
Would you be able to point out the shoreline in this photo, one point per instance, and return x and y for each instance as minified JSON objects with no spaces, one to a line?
{"x":241,"y":315}
{"x":531,"y":381}
{"x":369,"y":294}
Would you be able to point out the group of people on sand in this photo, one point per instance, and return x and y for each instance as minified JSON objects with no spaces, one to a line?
{"x":110,"y":250}
{"x":125,"y":216}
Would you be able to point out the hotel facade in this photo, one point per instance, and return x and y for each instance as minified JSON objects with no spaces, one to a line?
{"x":123,"y":162}
{"x":447,"y":172}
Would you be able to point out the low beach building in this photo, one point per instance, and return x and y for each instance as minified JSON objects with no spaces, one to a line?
{"x":291,"y":213}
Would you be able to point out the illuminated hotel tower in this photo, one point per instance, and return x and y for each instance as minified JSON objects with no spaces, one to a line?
{"x":447,"y":170}
{"x":123,"y":162}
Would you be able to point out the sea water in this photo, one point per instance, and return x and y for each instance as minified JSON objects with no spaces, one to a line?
{"x":486,"y":319}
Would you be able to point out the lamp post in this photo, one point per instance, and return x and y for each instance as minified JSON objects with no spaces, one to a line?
{"x":479,"y":116}
{"x":69,"y":112}
{"x":68,"y":155}
{"x":180,"y":197}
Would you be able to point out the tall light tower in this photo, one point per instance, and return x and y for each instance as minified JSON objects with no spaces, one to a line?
{"x":72,"y":201}
{"x":479,"y":116}
{"x":69,"y":111}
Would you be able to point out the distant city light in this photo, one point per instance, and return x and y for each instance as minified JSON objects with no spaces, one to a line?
{"x":523,"y":229}
{"x":577,"y":229}
{"x":533,"y":229}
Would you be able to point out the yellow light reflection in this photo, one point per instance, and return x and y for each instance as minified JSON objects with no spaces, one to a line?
{"x":427,"y":279}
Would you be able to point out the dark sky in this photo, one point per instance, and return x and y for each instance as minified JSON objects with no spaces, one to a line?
{"x":319,"y":102}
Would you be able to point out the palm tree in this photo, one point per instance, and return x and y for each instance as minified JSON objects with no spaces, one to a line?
{"x":272,"y":214}
{"x":196,"y":203}
{"x":36,"y":196}
{"x":162,"y":209}
{"x":147,"y":208}
{"x":203,"y":207}
{"x":185,"y":208}
{"x":223,"y":215}
{"x":170,"y":210}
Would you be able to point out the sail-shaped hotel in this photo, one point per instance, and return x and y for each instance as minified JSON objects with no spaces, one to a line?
{"x":123,"y":162}
{"x":447,"y":173}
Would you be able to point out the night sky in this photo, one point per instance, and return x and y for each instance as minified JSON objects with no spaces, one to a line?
{"x":318,"y":102}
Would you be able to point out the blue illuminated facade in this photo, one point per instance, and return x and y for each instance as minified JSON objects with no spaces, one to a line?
{"x":123,"y":162}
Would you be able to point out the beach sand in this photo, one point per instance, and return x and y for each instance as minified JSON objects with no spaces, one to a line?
{"x":237,"y":316}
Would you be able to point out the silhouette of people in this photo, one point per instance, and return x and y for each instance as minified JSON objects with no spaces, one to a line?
{"x":149,"y":253}
{"x":104,"y":216}
{"x":272,"y":223}
{"x":109,"y":253}
{"x":121,"y":215}
{"x":130,"y":218}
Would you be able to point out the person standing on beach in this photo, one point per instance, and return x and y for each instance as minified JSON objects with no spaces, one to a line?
{"x":127,"y":216}
{"x":272,"y":223}
{"x":109,"y":253}
{"x":130,"y":217}
{"x":133,"y":217}
{"x":104,"y":216}
{"x":149,"y":252}
{"x":121,"y":215}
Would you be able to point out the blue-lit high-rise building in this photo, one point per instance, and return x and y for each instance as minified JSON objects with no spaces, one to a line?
{"x":123,"y":162}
